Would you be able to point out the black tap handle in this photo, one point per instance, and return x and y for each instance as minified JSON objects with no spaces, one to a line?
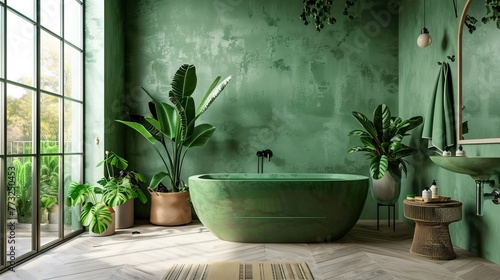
{"x":268,"y":153}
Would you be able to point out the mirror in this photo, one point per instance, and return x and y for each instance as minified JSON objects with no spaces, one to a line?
{"x":478,"y":81}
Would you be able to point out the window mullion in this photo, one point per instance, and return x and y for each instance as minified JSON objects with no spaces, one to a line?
{"x":36,"y":167}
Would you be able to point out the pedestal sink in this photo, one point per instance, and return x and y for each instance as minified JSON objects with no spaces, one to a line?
{"x":480,"y":169}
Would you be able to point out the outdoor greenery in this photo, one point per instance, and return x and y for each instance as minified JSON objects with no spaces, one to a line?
{"x":23,"y":189}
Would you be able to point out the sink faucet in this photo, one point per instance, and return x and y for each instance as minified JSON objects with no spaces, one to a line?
{"x":481,"y":196}
{"x":260,"y":159}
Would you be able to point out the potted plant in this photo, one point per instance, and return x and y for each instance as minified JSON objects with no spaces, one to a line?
{"x":172,"y":131}
{"x":24,"y":190}
{"x":121,"y":187}
{"x":95,"y":213}
{"x":382,"y":142}
{"x":112,"y":190}
{"x":49,"y":188}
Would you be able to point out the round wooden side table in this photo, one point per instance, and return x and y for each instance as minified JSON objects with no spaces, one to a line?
{"x":432,"y":236}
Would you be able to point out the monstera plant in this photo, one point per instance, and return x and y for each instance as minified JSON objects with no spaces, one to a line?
{"x":114,"y":189}
{"x":172,"y":131}
{"x":382,"y":141}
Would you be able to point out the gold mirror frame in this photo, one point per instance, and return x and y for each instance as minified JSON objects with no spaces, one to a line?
{"x":461,"y":141}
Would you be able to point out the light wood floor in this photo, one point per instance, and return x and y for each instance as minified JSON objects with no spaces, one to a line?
{"x":364,"y":253}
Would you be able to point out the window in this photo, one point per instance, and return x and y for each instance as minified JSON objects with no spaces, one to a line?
{"x":41,"y":123}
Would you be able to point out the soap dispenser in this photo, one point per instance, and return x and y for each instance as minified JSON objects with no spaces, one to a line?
{"x":434,"y":190}
{"x":460,"y":152}
{"x":426,"y":194}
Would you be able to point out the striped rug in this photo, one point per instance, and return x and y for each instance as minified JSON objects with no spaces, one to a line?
{"x":240,"y":271}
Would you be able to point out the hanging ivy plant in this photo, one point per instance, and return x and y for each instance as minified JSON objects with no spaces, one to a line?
{"x":492,"y":12}
{"x":492,"y":15}
{"x":319,"y":11}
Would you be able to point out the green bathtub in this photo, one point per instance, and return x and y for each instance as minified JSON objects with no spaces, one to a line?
{"x":280,"y":207}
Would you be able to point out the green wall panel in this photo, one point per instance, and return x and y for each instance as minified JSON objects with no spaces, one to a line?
{"x":418,"y":70}
{"x":293,"y":89}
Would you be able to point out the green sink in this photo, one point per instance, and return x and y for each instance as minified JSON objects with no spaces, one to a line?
{"x":479,"y":168}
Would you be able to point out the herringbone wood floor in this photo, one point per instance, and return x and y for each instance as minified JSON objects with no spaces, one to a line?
{"x":364,"y":253}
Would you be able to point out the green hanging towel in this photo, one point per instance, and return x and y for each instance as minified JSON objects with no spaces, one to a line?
{"x":439,"y":123}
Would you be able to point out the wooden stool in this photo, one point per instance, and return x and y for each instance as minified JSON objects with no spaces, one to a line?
{"x":432,"y":236}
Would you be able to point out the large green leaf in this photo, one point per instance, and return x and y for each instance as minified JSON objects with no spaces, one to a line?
{"x":79,"y":193}
{"x":400,"y":150}
{"x":157,"y":178}
{"x":211,"y":95}
{"x":378,"y":166}
{"x":167,"y":119}
{"x":366,"y":124}
{"x":382,"y":120}
{"x":116,"y":193}
{"x":186,"y":111}
{"x":97,"y":217}
{"x":202,"y":133}
{"x":369,"y":143}
{"x":409,"y":124}
{"x":184,"y":81}
{"x":141,"y":129}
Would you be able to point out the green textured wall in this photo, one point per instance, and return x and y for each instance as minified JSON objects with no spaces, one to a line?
{"x":292,"y":91}
{"x":418,"y":70}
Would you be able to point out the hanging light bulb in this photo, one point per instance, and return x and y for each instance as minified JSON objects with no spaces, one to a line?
{"x":424,"y":39}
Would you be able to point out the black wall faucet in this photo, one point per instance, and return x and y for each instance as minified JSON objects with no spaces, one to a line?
{"x":267,"y":153}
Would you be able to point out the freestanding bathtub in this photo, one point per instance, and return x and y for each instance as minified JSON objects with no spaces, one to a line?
{"x":279,"y":207}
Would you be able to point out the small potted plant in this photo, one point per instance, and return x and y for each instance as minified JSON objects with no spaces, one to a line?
{"x":172,"y":131}
{"x":382,"y":142}
{"x":121,"y":187}
{"x":112,"y":190}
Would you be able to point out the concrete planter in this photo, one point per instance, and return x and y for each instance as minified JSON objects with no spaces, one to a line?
{"x":124,"y":214}
{"x":386,"y":190}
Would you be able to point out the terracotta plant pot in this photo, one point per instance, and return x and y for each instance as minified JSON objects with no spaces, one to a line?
{"x":170,"y":209}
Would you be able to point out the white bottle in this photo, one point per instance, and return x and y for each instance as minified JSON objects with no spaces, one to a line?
{"x":446,"y":153}
{"x":426,"y":194}
{"x":434,"y":190}
{"x":460,"y":152}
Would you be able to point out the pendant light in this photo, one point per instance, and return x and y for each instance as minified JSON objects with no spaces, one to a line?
{"x":425,"y":39}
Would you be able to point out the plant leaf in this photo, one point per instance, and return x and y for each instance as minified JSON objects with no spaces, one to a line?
{"x":157,"y":178}
{"x":378,"y":166}
{"x":101,"y":218}
{"x":382,"y":121}
{"x":359,"y":133}
{"x":202,"y":133}
{"x":184,"y":81}
{"x":167,"y":119}
{"x":141,"y":129}
{"x":366,"y":124}
{"x":211,"y":95}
